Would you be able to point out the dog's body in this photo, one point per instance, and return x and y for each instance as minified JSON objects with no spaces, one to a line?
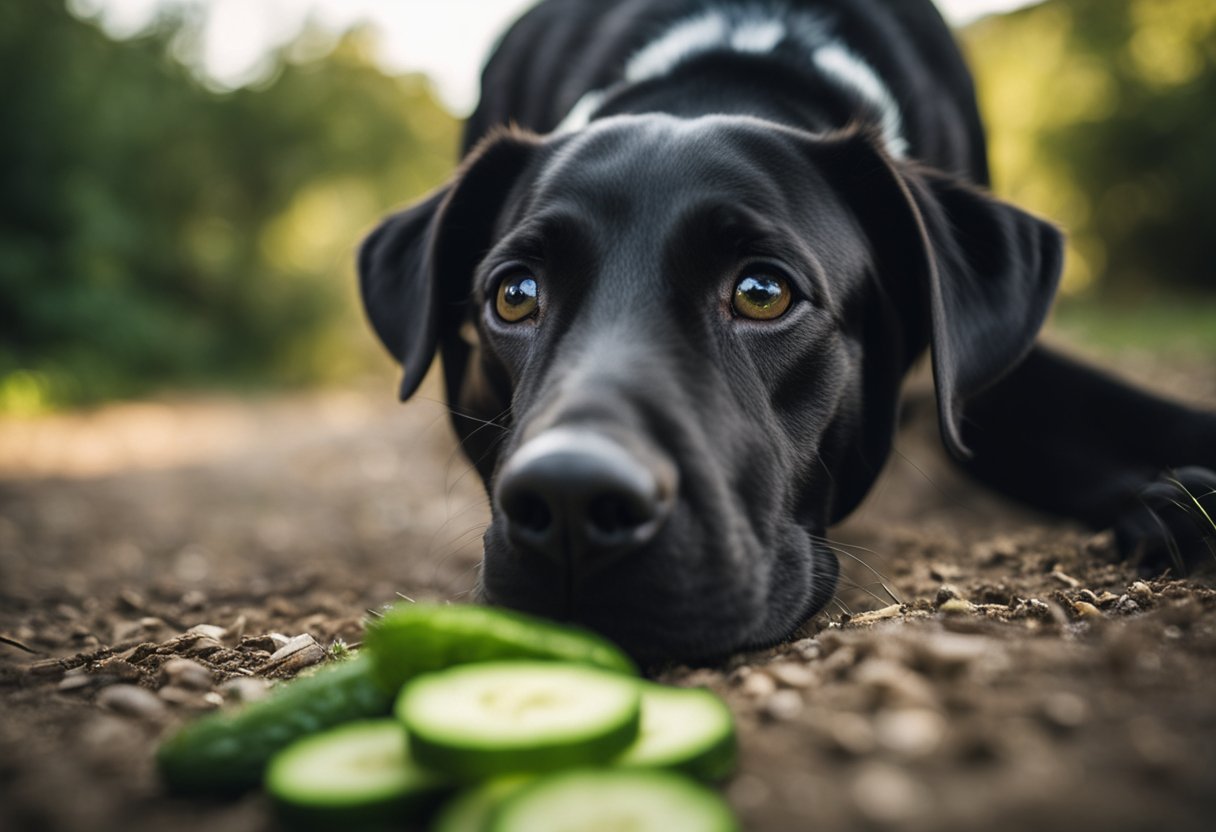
{"x":677,"y":297}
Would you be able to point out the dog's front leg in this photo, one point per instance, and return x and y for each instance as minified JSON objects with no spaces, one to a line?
{"x":1076,"y":442}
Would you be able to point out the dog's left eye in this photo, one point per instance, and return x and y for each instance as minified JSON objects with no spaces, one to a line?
{"x":762,"y":296}
{"x":517,"y":297}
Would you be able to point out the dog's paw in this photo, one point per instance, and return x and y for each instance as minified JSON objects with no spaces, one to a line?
{"x":1173,"y":523}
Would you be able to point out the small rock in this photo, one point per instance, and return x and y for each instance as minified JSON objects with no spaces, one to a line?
{"x":952,"y":650}
{"x":130,"y":700}
{"x":245,"y":689}
{"x":1065,"y":710}
{"x":182,"y":697}
{"x":740,"y":674}
{"x":202,"y":647}
{"x":910,"y":732}
{"x":194,"y":600}
{"x":298,"y":653}
{"x":792,"y":675}
{"x":236,"y":630}
{"x":209,"y":631}
{"x":1084,"y":609}
{"x":955,"y":606}
{"x":944,"y":571}
{"x":130,"y":600}
{"x":808,"y":648}
{"x":75,"y":681}
{"x":1126,"y":606}
{"x":759,"y":685}
{"x":886,"y":794}
{"x":852,"y":734}
{"x":186,"y":674}
{"x":1141,"y":593}
{"x":896,"y":683}
{"x":213,"y":699}
{"x":783,"y":705}
{"x":947,"y":593}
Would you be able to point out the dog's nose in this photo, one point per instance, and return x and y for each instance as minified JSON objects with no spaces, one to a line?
{"x":573,"y":494}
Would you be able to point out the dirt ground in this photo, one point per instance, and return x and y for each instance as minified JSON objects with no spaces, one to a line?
{"x":984,"y":669}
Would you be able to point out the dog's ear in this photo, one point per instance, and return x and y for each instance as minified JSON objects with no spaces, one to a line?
{"x":985,"y":272}
{"x":415,"y":269}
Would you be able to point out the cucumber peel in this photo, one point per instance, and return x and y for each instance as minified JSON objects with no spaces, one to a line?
{"x":415,"y":638}
{"x":496,"y":718}
{"x":686,"y":729}
{"x":599,"y":799}
{"x":471,"y":810}
{"x":356,"y":776}
{"x":227,"y":752}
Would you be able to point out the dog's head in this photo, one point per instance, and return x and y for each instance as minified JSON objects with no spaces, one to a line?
{"x":693,"y":334}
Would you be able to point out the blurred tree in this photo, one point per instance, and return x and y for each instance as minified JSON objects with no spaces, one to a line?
{"x":154,"y":232}
{"x":1103,"y":117}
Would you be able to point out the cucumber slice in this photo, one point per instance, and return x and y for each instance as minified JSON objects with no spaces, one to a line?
{"x":472,"y":810}
{"x":356,"y":776}
{"x":419,"y":638}
{"x":688,"y":729}
{"x":496,"y":718}
{"x":594,"y":800}
{"x":227,"y":752}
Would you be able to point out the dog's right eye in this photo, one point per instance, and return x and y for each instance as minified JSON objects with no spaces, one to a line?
{"x":517,"y":297}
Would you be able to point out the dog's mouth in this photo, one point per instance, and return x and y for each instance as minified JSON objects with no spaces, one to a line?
{"x":656,"y":612}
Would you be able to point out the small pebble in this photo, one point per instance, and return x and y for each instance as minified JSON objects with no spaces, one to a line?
{"x":194,"y":600}
{"x":945,"y":593}
{"x":1065,"y":710}
{"x":759,"y":685}
{"x":1126,"y":606}
{"x":210,"y":631}
{"x":784,"y":705}
{"x":298,"y":653}
{"x":1084,"y":609}
{"x":74,"y":682}
{"x":955,"y":606}
{"x":1141,"y":593}
{"x":792,"y":675}
{"x":886,"y":794}
{"x":910,"y":732}
{"x":895,"y":682}
{"x":130,"y":700}
{"x":245,"y":689}
{"x":186,"y":674}
{"x":808,"y":648}
{"x":852,"y":733}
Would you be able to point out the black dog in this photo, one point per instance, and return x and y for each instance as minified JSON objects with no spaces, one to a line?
{"x":692,"y":252}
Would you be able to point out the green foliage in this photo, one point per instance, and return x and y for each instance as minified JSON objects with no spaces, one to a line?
{"x":153,"y":232}
{"x":1101,"y":115}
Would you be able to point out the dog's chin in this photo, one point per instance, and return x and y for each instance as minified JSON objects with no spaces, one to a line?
{"x":669,"y":623}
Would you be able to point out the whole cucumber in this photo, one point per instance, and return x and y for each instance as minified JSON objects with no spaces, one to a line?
{"x":227,"y":752}
{"x":419,"y":638}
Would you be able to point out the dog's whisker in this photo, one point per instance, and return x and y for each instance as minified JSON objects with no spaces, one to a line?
{"x":881,"y":577}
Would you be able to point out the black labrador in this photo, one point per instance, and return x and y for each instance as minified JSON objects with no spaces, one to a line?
{"x":693,"y":250}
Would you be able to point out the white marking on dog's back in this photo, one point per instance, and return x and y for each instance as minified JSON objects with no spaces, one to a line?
{"x":851,"y":72}
{"x":755,"y":29}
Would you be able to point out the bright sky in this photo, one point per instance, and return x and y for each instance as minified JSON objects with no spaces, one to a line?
{"x":446,"y":39}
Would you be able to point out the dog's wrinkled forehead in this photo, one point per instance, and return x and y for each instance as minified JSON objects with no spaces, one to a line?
{"x":642,"y":177}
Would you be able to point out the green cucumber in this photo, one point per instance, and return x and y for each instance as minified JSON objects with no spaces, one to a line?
{"x":411,"y":639}
{"x":687,"y":729}
{"x":593,"y":800}
{"x":227,"y":752}
{"x":357,"y":776}
{"x":495,"y":718}
{"x":471,"y":810}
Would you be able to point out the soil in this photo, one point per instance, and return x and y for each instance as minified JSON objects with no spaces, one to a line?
{"x":983,"y":668}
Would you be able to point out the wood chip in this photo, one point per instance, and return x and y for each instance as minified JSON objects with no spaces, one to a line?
{"x":297,"y":654}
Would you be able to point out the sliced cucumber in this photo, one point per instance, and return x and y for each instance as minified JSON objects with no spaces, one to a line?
{"x":419,"y":638}
{"x":495,"y":718}
{"x":471,"y":811}
{"x":227,"y":752}
{"x":612,"y":799}
{"x":356,"y":776}
{"x":688,"y":729}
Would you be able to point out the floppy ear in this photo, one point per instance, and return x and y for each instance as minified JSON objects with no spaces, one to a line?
{"x":415,"y":269}
{"x":983,"y":272}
